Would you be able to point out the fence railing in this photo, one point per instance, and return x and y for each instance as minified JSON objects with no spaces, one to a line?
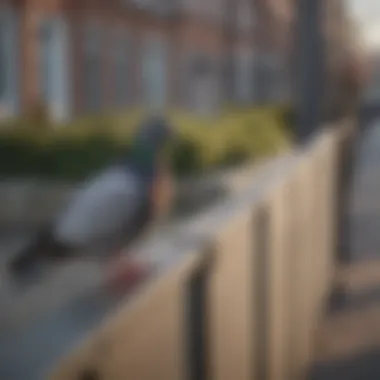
{"x":242,"y":290}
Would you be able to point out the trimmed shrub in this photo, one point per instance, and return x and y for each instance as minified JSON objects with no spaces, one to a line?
{"x":73,"y":151}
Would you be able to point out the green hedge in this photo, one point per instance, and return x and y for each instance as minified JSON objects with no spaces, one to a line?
{"x":30,"y":148}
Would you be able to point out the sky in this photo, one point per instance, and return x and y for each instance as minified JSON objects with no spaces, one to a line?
{"x":367,"y":13}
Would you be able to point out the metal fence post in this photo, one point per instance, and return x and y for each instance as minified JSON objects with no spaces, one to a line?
{"x":308,"y":68}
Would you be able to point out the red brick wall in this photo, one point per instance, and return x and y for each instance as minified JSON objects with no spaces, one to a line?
{"x":183,"y":33}
{"x":30,"y":12}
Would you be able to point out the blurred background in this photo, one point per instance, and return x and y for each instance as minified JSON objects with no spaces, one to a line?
{"x":79,"y":58}
{"x":70,"y":69}
{"x":244,"y":82}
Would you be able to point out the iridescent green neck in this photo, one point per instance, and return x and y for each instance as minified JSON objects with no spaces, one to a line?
{"x":142,"y":157}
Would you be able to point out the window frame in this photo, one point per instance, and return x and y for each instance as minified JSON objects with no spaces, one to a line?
{"x":121,"y":64}
{"x":9,"y":99}
{"x":4,"y":82}
{"x":93,"y":38}
{"x":151,"y":46}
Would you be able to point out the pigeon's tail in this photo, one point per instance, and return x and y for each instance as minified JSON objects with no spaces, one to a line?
{"x":42,"y":249}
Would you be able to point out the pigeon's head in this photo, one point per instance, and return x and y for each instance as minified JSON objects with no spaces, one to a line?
{"x":155,"y":131}
{"x":154,"y":134}
{"x":150,"y":142}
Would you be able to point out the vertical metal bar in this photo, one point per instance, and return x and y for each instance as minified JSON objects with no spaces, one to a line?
{"x":197,"y":324}
{"x":309,"y":67}
{"x":261,"y":225}
{"x":292,"y":273}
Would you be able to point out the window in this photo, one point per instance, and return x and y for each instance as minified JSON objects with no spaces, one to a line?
{"x":8,"y":61}
{"x":46,"y":60}
{"x":202,"y":82}
{"x":92,"y":69}
{"x":122,"y":77}
{"x":3,"y":59}
{"x":53,"y":65}
{"x":121,"y":69}
{"x":154,"y":73}
{"x":244,"y":76}
{"x":245,"y":15}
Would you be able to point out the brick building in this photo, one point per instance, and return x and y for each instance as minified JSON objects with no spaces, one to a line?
{"x":276,"y":47}
{"x":82,"y":56}
{"x":274,"y":44}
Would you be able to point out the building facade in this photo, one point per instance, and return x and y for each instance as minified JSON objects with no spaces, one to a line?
{"x":87,"y":56}
{"x":274,"y":50}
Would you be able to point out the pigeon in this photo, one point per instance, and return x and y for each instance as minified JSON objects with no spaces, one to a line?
{"x":107,"y":213}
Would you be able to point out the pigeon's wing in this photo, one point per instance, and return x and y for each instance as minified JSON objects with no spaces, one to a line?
{"x":137,"y":223}
{"x":100,"y":210}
